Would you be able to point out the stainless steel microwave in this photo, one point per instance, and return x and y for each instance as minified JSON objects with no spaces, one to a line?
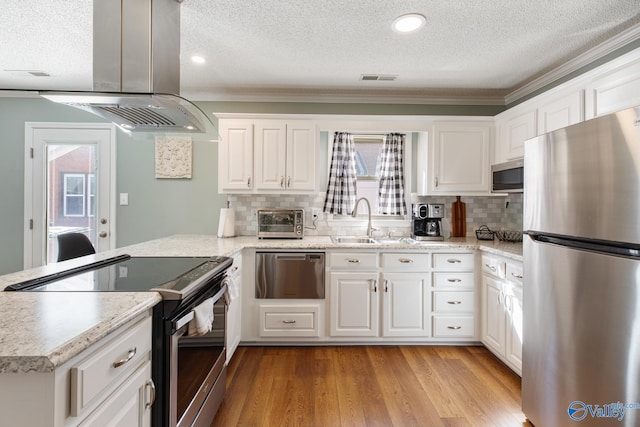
{"x":508,"y":177}
{"x":280,"y":223}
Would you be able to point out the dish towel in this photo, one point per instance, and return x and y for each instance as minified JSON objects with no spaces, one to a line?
{"x":202,"y":322}
{"x":232,"y":290}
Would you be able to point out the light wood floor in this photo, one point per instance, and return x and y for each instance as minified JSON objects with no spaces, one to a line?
{"x":370,"y":386}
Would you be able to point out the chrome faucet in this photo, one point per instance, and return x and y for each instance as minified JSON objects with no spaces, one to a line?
{"x":355,"y":213}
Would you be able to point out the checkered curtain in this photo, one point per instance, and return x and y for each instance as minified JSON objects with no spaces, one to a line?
{"x":391,"y":188}
{"x":341,"y":191}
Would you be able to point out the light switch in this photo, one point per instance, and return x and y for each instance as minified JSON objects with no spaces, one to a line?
{"x":124,"y":199}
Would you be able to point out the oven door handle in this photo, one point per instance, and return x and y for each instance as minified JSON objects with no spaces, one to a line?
{"x":184,"y":320}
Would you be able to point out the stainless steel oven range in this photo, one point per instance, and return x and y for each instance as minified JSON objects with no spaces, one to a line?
{"x":189,"y":372}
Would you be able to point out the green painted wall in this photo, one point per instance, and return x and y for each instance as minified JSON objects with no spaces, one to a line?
{"x":157,"y":207}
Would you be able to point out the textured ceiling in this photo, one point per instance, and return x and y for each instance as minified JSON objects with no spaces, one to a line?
{"x":267,"y":48}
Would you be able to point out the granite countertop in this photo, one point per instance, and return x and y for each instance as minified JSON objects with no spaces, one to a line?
{"x":40,"y":331}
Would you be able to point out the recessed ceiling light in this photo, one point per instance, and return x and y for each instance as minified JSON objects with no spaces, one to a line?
{"x":197,"y":59}
{"x":409,"y":22}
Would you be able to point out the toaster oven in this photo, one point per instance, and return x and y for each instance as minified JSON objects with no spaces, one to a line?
{"x":280,"y":223}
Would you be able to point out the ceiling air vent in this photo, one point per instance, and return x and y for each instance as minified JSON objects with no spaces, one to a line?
{"x":378,"y":77}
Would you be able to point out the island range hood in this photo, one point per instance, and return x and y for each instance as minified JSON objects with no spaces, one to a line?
{"x":136,"y":69}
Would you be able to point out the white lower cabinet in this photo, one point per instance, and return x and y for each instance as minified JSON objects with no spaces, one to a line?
{"x":454,"y":296}
{"x":289,"y":320}
{"x":234,"y":312}
{"x":405,"y":304}
{"x":502,"y":309}
{"x":397,"y":300}
{"x":108,"y":384}
{"x":354,"y":304}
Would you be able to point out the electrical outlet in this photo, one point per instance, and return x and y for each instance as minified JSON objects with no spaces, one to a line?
{"x":316,"y":214}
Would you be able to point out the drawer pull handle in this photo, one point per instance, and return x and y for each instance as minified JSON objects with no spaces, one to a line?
{"x":491,"y":267}
{"x":353,"y":260}
{"x":454,"y":302}
{"x":454,"y":280}
{"x":455,"y":328}
{"x":454,"y":261}
{"x":289,"y":322}
{"x":405,"y":260}
{"x":152,"y":399}
{"x":130,"y":355}
{"x":517,"y":276}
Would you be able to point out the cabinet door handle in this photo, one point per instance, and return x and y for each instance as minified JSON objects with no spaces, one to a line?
{"x":491,"y":267}
{"x":454,"y":302}
{"x":500,"y":294}
{"x":455,"y":328}
{"x":454,"y":280}
{"x":353,"y":261}
{"x":288,"y":322}
{"x":130,"y":355}
{"x":282,"y":182}
{"x":454,"y":261}
{"x":517,"y":276}
{"x":288,"y":181}
{"x":374,"y":282}
{"x":405,"y":260}
{"x":152,"y":387}
{"x":436,"y":181}
{"x":386,"y":286}
{"x":249,"y":182}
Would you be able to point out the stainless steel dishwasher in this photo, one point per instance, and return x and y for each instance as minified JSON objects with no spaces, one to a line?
{"x":290,"y":275}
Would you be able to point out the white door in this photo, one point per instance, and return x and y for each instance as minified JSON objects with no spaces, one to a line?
{"x":69,"y":187}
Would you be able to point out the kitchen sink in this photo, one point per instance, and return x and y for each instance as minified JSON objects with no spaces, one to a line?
{"x":367,"y":240}
{"x":352,"y":239}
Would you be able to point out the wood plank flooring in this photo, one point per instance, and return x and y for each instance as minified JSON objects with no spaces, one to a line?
{"x":370,"y":386}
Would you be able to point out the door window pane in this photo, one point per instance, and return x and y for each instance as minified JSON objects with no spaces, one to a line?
{"x":74,"y":194}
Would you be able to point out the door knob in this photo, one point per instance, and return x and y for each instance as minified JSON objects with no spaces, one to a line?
{"x":103,"y":234}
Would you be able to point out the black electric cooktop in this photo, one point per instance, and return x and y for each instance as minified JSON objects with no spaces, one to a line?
{"x":130,"y":274}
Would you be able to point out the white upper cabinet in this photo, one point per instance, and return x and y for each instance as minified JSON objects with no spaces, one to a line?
{"x":267,"y":156}
{"x":301,"y":156}
{"x":456,"y":159}
{"x":536,"y":117}
{"x":614,"y":90}
{"x":560,"y":112}
{"x":235,"y":156}
{"x":512,"y":132}
{"x":271,"y":154}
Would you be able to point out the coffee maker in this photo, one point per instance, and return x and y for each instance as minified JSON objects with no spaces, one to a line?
{"x":427,"y":221}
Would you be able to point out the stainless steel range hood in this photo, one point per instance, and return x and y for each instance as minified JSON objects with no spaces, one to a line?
{"x":136,"y":69}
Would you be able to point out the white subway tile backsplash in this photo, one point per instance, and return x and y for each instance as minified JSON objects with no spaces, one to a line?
{"x":490,"y":211}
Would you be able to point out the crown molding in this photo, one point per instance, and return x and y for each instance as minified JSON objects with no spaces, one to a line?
{"x":415,"y":97}
{"x":627,"y":36}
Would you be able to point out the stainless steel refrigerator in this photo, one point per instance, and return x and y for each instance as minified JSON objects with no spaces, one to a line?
{"x":581,"y":334}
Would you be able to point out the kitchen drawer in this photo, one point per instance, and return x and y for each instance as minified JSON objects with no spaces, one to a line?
{"x":493,"y":266}
{"x":514,"y":272}
{"x":453,"y":326}
{"x":110,"y":364}
{"x":289,"y":320}
{"x":454,"y":302}
{"x":404,"y":262}
{"x":454,"y":280}
{"x":353,"y":260}
{"x":453,"y":262}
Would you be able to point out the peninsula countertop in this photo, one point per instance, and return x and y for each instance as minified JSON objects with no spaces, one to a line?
{"x":43,"y":330}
